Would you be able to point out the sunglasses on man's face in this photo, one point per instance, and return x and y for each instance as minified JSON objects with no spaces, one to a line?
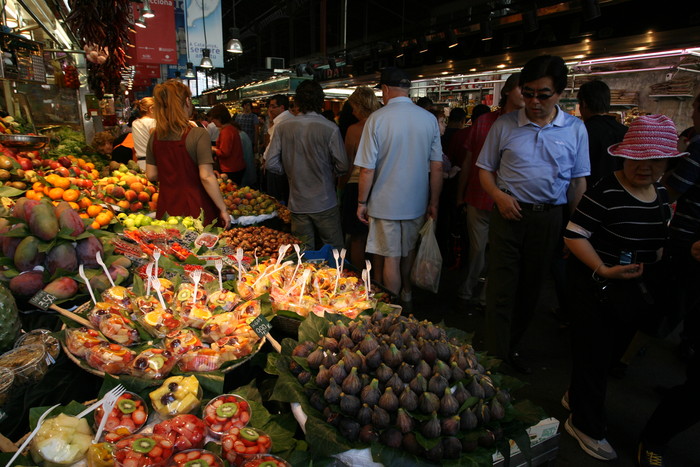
{"x":531,"y":94}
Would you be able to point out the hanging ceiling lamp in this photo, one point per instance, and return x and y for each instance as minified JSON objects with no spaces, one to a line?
{"x":146,"y":11}
{"x":206,"y":53}
{"x":190,"y":71}
{"x":234,"y":44}
{"x":141,"y":22}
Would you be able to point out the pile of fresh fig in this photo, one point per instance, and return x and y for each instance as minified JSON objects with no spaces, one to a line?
{"x":393,"y":379}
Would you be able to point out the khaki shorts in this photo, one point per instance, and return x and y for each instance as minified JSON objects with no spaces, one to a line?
{"x":393,"y":238}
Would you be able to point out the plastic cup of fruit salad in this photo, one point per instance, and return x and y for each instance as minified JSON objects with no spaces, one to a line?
{"x":128,"y":416}
{"x":142,"y":450}
{"x":240,"y":444}
{"x":225,"y":412}
{"x":266,"y":460}
{"x":185,"y":431}
{"x":195,"y":458}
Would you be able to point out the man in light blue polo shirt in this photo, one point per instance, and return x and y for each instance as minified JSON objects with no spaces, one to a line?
{"x":533,"y":163}
{"x":400,"y":160}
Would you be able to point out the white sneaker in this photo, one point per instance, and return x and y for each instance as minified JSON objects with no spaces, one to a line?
{"x":565,"y":401}
{"x":600,"y":449}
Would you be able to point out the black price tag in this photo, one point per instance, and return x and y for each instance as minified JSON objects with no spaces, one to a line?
{"x":261,"y":326}
{"x":43,"y":300}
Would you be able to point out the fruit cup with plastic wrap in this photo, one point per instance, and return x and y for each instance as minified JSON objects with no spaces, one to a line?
{"x":128,"y":416}
{"x":185,"y":431}
{"x":177,"y":395}
{"x":195,"y":458}
{"x":142,"y":450}
{"x":182,"y":341}
{"x":100,"y":455}
{"x":153,"y":363}
{"x":80,"y":340}
{"x":240,"y":444}
{"x":266,"y":460}
{"x":61,"y":440}
{"x":110,"y":358}
{"x":225,"y":412}
{"x":159,"y":322}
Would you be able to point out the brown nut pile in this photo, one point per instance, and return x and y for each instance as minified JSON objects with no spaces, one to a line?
{"x":266,"y":240}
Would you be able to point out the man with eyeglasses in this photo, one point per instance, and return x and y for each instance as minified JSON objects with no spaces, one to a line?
{"x":533,"y":163}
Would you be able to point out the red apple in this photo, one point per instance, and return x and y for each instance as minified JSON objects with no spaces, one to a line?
{"x":62,"y":171}
{"x":64,"y":161}
{"x":54,"y":165}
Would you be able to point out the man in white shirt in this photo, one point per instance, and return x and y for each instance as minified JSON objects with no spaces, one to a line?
{"x":278,"y":110}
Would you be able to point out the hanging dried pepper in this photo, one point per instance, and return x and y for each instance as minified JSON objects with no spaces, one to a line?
{"x":103,"y":24}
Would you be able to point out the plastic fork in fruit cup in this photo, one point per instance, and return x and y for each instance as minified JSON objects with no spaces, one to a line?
{"x":219,"y":265}
{"x":255,"y":254}
{"x":119,"y":389}
{"x":294,"y":274}
{"x":81,"y":271}
{"x":156,"y":286}
{"x":304,"y":277}
{"x":98,"y":257}
{"x":342,"y":259}
{"x":365,"y":274}
{"x":156,"y":257}
{"x":32,"y":434}
{"x":239,"y":260}
{"x":107,"y":405}
{"x":281,"y":252}
{"x":196,"y":275}
{"x":149,"y":272}
{"x":336,"y":255}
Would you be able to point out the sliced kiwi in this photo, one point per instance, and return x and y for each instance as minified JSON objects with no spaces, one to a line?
{"x":268,"y":464}
{"x":197,"y":463}
{"x":157,"y":362}
{"x":226,"y":410}
{"x":249,"y":434}
{"x":126,"y":405}
{"x":143,"y":445}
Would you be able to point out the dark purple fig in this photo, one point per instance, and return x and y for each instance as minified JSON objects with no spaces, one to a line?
{"x":428,"y":352}
{"x":377,"y":316}
{"x":373,"y":358}
{"x":448,"y":404}
{"x":329,"y":359}
{"x":332,"y":392}
{"x":396,"y":338}
{"x":407,"y":337}
{"x":352,"y":384}
{"x":435,"y":333}
{"x":304,"y":349}
{"x":349,"y":404}
{"x":411,"y":354}
{"x":295,"y":367}
{"x":365,"y":379}
{"x":410,"y":444}
{"x":469,"y":445}
{"x":358,"y":334}
{"x":406,"y":372}
{"x":304,"y":377}
{"x":482,"y":412}
{"x":351,"y":359}
{"x":396,"y":383}
{"x":460,"y":360}
{"x":345,"y":343}
{"x":389,"y":401}
{"x":380,"y":417}
{"x":443,"y":350}
{"x":442,"y":369}
{"x":412,"y":327}
{"x":472,"y":362}
{"x":391,"y":437}
{"x":467,"y":420}
{"x":362,"y":367}
{"x":450,"y":426}
{"x":328,"y":343}
{"x":487,"y":440}
{"x":368,"y":434}
{"x":338,"y":371}
{"x":349,"y":429}
{"x":428,"y":403}
{"x":384,"y":373}
{"x":457,"y":373}
{"x":338,"y":330}
{"x":317,"y":401}
{"x":408,"y":399}
{"x":385,"y":323}
{"x":461,"y":394}
{"x":370,"y":394}
{"x":392,"y":357}
{"x":498,"y":432}
{"x":431,"y":429}
{"x":418,"y":384}
{"x":435,"y":453}
{"x":323,"y":376}
{"x":503,"y":397}
{"x":497,"y":410}
{"x":475,"y":389}
{"x":424,"y":369}
{"x":315,"y":359}
{"x":364,"y":415}
{"x":404,"y":422}
{"x":451,"y":448}
{"x":437,"y":384}
{"x":422,"y":333}
{"x":487,"y":385}
{"x":332,"y":417}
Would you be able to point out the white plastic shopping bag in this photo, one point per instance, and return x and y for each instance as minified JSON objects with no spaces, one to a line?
{"x":426,"y":270}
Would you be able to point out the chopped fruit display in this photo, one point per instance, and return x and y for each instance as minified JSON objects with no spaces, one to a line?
{"x":142,"y":450}
{"x":185,"y":431}
{"x":100,"y":455}
{"x":177,"y":395}
{"x":240,"y":444}
{"x":266,"y":460}
{"x":62,"y":440}
{"x":225,"y":412}
{"x":128,"y":416}
{"x":195,"y":458}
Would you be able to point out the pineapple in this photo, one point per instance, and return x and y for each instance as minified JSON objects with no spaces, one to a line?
{"x":9,"y":319}
{"x":177,"y":395}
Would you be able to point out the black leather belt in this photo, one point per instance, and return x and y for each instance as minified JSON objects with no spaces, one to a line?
{"x":535,"y":207}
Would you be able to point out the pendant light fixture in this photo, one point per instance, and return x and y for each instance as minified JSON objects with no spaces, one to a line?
{"x":234,"y":43}
{"x":141,"y":22}
{"x":146,"y":11}
{"x":206,"y":61}
{"x":190,"y":71}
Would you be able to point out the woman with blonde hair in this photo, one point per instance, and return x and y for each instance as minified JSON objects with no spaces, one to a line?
{"x":363,"y":102}
{"x":141,"y":129}
{"x":179,"y":158}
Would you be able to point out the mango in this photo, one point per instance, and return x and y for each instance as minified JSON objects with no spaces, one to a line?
{"x":118,"y":273}
{"x":100,"y":283}
{"x":62,"y":288}
{"x":19,"y":210}
{"x":122,"y":261}
{"x":69,"y":219}
{"x":27,"y":254}
{"x":60,"y":207}
{"x":43,"y":222}
{"x":4,"y":225}
{"x":87,"y":250}
{"x":27,"y":284}
{"x":62,"y":256}
{"x":9,"y":244}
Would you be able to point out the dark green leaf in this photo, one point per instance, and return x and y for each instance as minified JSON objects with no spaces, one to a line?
{"x":10,"y":192}
{"x":323,"y":439}
{"x":20,"y":232}
{"x":271,"y":367}
{"x":21,"y":460}
{"x":212,"y":382}
{"x":390,"y":456}
{"x":425,"y":442}
{"x":289,"y":314}
{"x":249,"y":392}
{"x":528,"y":413}
{"x":313,"y":328}
{"x":213,"y":447}
{"x":138,"y":287}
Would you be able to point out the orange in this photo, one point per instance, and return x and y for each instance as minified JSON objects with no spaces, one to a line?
{"x":90,"y":165}
{"x":38,"y":186}
{"x":93,"y":210}
{"x":103,"y":218}
{"x":124,"y":204}
{"x":62,"y":182}
{"x":85,"y":202}
{"x":50,"y":178}
{"x":30,"y":194}
{"x":74,"y":205}
{"x":71,"y":195}
{"x":56,"y":193}
{"x":95,"y":225}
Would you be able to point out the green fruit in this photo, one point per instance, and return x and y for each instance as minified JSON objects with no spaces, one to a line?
{"x":229,"y":409}
{"x":143,"y":445}
{"x":126,"y":405}
{"x":197,"y":463}
{"x":157,"y":362}
{"x":268,"y":464}
{"x":9,"y":319}
{"x":249,"y":434}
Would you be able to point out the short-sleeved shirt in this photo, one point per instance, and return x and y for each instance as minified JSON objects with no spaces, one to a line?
{"x":398,"y":142}
{"x":615,"y":221}
{"x":536,"y":163}
{"x":142,"y":128}
{"x":248,"y":122}
{"x":309,"y":149}
{"x":197,"y":143}
{"x":685,"y":179}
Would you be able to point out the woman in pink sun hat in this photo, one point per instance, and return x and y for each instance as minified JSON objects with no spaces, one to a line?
{"x":616,"y":236}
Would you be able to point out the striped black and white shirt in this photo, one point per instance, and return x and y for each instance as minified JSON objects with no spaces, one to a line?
{"x":614,"y":221}
{"x":685,"y":179}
